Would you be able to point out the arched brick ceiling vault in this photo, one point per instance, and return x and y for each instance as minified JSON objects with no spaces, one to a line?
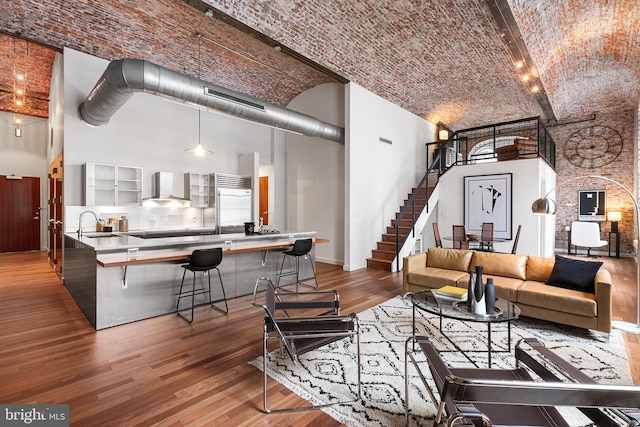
{"x":587,"y":52}
{"x":444,"y":60}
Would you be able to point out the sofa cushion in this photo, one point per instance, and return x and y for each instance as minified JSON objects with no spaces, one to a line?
{"x":574,"y":274}
{"x":538,"y":294}
{"x":434,"y":278}
{"x":506,"y":265}
{"x":449,"y":259}
{"x":539,"y":268}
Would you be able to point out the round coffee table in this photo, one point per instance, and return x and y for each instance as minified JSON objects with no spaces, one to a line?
{"x":505,"y":311}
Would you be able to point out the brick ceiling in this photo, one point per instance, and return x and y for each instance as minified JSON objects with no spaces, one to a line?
{"x":444,"y":60}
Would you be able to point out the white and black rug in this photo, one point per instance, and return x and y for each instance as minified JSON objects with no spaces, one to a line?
{"x":329,"y":374}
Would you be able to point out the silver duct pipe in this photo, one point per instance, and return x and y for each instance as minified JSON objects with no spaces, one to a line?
{"x":124,"y":77}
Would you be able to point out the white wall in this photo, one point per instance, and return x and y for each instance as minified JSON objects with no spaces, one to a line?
{"x":536,"y":237}
{"x":379,"y":176}
{"x":314,"y":171}
{"x":27,"y":156}
{"x":148,"y":132}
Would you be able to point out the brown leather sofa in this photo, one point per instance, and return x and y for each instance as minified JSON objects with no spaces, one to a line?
{"x":517,"y":278}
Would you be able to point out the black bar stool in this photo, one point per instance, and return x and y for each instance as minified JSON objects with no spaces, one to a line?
{"x":301,"y":248}
{"x":203,"y":260}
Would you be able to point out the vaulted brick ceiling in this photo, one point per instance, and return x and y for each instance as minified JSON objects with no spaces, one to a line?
{"x":444,"y":60}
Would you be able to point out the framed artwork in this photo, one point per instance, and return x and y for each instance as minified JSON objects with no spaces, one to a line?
{"x":592,"y":205}
{"x":487,"y":198}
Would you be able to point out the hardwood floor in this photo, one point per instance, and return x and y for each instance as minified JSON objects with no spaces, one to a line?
{"x":163,"y":371}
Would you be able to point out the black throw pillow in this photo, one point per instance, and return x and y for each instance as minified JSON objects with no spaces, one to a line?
{"x":574,"y":274}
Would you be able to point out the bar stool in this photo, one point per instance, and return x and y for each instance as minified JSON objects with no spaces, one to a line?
{"x":301,"y":248}
{"x":203,"y":260}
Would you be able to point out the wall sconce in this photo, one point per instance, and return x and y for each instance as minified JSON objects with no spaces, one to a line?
{"x":614,"y":217}
{"x":443,"y":134}
{"x":18,"y":132}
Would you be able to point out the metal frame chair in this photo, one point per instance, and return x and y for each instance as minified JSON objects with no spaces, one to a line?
{"x":301,"y":248}
{"x":203,"y":260}
{"x":586,"y":235}
{"x":298,"y":335}
{"x":524,"y":396}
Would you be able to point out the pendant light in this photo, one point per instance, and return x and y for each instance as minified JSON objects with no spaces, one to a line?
{"x":199,"y":150}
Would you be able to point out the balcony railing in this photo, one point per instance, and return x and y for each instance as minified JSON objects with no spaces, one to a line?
{"x":518,"y":139}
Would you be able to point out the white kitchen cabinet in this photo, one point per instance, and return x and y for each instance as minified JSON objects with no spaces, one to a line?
{"x":112,"y":185}
{"x":196,"y":189}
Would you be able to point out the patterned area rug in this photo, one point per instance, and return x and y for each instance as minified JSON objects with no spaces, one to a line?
{"x":325,"y":375}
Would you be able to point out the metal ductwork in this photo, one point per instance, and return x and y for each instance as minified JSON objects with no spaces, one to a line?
{"x":125,"y":77}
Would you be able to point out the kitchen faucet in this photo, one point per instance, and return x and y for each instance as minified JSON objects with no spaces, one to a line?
{"x":80,"y":220}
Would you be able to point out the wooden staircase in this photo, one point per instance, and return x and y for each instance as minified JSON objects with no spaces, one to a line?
{"x":382,"y":257}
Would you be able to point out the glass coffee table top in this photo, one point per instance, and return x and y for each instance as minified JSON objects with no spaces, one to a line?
{"x":505,"y":311}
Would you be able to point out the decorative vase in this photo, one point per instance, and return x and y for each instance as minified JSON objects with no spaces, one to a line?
{"x":490,"y":296}
{"x":478,"y":293}
{"x":470,"y":297}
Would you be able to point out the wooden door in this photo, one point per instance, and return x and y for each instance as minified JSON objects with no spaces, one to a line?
{"x":264,"y":199}
{"x":19,"y":213}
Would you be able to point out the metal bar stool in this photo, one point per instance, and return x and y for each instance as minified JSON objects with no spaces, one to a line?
{"x":301,"y":248}
{"x":203,"y":260}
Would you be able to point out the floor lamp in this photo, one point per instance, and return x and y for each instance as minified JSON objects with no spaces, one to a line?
{"x":548,"y":206}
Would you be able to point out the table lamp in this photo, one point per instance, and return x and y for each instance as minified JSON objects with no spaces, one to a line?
{"x":614,"y":217}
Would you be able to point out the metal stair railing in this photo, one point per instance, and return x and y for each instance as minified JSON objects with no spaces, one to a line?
{"x":433,"y":173}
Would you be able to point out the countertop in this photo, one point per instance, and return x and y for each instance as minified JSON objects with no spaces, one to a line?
{"x":104,"y":242}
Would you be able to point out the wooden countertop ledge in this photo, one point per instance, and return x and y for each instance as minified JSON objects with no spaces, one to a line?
{"x":111,"y":260}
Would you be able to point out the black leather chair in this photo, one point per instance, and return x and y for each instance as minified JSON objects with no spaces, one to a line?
{"x":301,"y":249}
{"x":202,"y":260}
{"x":308,"y":331}
{"x":524,"y":396}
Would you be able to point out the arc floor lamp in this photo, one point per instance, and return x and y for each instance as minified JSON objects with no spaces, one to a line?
{"x":545,"y":205}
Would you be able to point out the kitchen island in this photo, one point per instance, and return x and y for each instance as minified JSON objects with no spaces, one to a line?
{"x":117,"y":278}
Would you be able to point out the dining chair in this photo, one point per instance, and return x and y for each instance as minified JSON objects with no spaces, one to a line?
{"x":460,"y":237}
{"x":486,"y":237}
{"x":436,"y":235}
{"x":515,"y":241}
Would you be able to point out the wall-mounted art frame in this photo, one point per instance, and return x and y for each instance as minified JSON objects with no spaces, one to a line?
{"x":488,"y":198}
{"x":592,"y":205}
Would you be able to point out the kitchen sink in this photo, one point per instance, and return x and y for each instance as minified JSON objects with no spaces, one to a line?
{"x":100,"y":235}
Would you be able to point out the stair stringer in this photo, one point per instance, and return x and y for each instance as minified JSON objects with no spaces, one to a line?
{"x":423,"y":218}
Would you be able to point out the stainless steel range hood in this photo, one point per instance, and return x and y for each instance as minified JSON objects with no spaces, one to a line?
{"x":162,"y":188}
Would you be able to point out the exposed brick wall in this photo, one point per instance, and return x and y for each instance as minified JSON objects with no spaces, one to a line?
{"x":163,"y":32}
{"x":621,"y":170}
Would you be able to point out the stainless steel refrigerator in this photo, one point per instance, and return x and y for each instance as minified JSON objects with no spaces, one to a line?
{"x":233,"y":208}
{"x":232,"y":203}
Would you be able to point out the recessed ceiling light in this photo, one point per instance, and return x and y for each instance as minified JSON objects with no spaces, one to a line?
{"x":519,"y":64}
{"x":535,"y":89}
{"x":525,"y":78}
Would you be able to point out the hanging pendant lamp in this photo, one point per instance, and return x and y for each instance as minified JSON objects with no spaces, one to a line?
{"x":199,"y":150}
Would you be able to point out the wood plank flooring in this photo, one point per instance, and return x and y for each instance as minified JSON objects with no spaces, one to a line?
{"x":164,"y":371}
